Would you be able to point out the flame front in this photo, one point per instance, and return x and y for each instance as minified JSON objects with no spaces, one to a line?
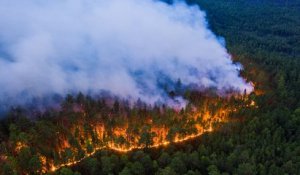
{"x":159,"y":136}
{"x":80,"y":133}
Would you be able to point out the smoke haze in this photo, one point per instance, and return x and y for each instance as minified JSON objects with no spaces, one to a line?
{"x":130,"y":48}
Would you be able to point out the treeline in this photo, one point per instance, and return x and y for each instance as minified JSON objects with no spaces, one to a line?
{"x":83,"y":125}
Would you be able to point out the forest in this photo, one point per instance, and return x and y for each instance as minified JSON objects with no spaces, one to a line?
{"x":250,"y":134}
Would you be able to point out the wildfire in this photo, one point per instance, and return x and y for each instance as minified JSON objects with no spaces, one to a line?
{"x":19,"y":146}
{"x":158,"y":141}
{"x":151,"y":133}
{"x":117,"y":148}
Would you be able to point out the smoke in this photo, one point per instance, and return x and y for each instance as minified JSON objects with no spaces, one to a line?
{"x":134,"y":49}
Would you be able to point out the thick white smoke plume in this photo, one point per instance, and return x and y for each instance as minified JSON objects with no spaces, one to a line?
{"x":130,"y":48}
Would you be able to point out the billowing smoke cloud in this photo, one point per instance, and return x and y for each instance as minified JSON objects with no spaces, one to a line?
{"x":130,"y":48}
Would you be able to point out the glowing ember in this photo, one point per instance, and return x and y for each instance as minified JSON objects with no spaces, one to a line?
{"x":160,"y":139}
{"x":137,"y":128}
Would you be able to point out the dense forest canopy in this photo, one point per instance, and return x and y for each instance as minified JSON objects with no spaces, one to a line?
{"x":267,"y":33}
{"x":263,"y":139}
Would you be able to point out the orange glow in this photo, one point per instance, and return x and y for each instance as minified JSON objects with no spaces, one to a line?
{"x":120,"y":149}
{"x":19,"y":146}
{"x":159,"y":140}
{"x":124,"y":138}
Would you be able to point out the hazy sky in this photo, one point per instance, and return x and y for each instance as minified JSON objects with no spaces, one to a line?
{"x":121,"y":46}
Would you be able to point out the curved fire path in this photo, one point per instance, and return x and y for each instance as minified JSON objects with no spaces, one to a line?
{"x":125,"y":150}
{"x":113,"y":147}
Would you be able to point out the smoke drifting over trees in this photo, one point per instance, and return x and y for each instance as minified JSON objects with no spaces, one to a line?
{"x":130,"y":48}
